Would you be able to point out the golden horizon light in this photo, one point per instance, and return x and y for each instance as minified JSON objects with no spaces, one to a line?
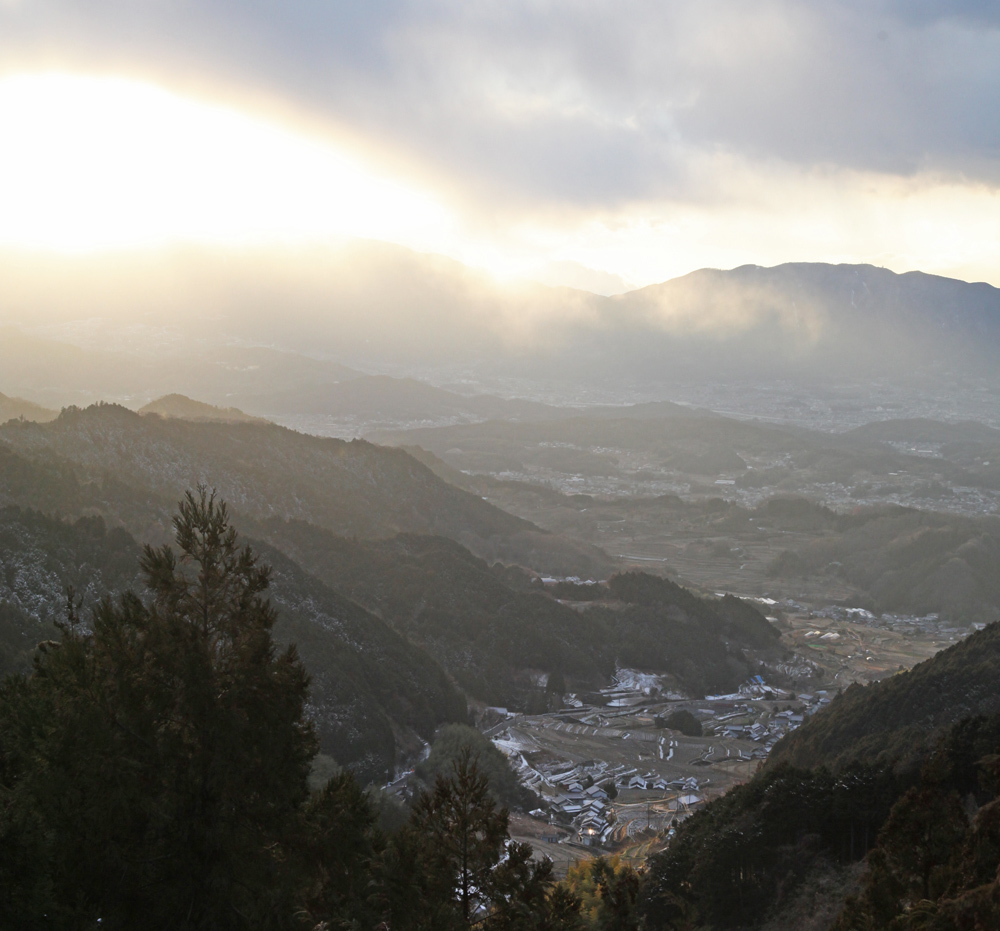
{"x":110,"y":163}
{"x":105,"y":163}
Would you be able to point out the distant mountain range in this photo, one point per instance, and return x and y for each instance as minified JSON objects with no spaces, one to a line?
{"x":374,"y":398}
{"x":13,"y":408}
{"x":56,"y":373}
{"x":183,"y":408}
{"x":383,"y":309}
{"x":843,"y":319}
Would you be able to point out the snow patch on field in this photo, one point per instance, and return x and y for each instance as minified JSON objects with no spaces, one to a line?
{"x":634,"y":680}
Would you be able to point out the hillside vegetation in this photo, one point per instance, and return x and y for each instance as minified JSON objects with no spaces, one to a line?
{"x":353,"y":488}
{"x":157,"y":770}
{"x":184,"y":408}
{"x":887,"y":558}
{"x":908,"y":562}
{"x":886,"y":720}
{"x":488,"y":630}
{"x":893,"y":771}
{"x":495,"y":631}
{"x":373,"y":695}
{"x":14,"y":408}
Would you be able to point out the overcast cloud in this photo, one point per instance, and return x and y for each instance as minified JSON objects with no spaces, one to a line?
{"x":575,"y":102}
{"x":642,"y":137}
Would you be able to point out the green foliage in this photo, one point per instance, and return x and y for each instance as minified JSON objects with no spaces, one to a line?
{"x":490,"y":631}
{"x":575,"y":591}
{"x":932,"y":869}
{"x":683,"y":721}
{"x":896,"y":717}
{"x":744,"y":853}
{"x":607,"y":889}
{"x":39,"y":558}
{"x":489,"y":634}
{"x":154,"y":771}
{"x":153,"y":766}
{"x":743,"y":857}
{"x":339,"y":854}
{"x":486,"y":633}
{"x":464,"y":835}
{"x":556,"y":683}
{"x":666,"y":627}
{"x":729,"y":617}
{"x":794,"y":513}
{"x":456,"y":867}
{"x":350,"y":487}
{"x":453,"y":743}
{"x":908,"y":561}
{"x":369,"y":686}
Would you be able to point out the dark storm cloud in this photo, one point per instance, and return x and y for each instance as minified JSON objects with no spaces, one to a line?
{"x":977,"y":12}
{"x":575,"y":102}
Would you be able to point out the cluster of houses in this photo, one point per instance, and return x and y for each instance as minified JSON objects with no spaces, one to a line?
{"x":931,"y":624}
{"x":768,"y":728}
{"x":578,"y":795}
{"x":585,"y":797}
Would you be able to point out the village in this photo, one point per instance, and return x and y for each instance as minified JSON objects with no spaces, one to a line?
{"x":616,"y":771}
{"x":610,"y":773}
{"x":612,"y":776}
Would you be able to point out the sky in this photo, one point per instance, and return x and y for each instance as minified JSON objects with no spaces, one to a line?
{"x":597,"y":144}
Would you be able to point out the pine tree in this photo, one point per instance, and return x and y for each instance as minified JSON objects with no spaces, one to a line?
{"x":464,"y":834}
{"x":154,"y":764}
{"x":340,"y":853}
{"x":455,"y":865}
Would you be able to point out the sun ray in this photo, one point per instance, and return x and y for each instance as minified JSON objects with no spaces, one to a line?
{"x":107,"y":162}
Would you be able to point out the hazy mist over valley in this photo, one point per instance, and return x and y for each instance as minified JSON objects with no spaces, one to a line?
{"x":503,"y":467}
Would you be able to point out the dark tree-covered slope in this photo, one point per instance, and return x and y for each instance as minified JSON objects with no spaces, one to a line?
{"x":492,"y":630}
{"x":264,"y":470}
{"x":371,"y":689}
{"x":884,"y":720}
{"x":485,"y":632}
{"x":40,"y":559}
{"x":895,"y":768}
{"x":787,"y":845}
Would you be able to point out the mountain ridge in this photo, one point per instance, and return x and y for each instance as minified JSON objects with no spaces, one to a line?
{"x":262,"y":469}
{"x":387,"y":309}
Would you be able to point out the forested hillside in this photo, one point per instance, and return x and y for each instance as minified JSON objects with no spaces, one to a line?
{"x":886,"y":720}
{"x":155,"y":772}
{"x":41,"y":558}
{"x":397,"y":624}
{"x":489,"y":631}
{"x":899,"y":770}
{"x":908,"y":561}
{"x":14,"y":408}
{"x":870,"y":847}
{"x":494,"y":630}
{"x":373,"y":694}
{"x":354,"y":489}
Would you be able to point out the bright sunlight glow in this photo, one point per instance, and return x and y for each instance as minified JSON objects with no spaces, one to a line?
{"x":98,"y":162}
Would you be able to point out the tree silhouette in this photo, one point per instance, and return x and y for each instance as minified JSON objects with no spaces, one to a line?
{"x":464,"y":833}
{"x":154,"y":762}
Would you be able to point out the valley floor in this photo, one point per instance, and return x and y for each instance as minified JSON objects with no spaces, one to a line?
{"x":572,"y":757}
